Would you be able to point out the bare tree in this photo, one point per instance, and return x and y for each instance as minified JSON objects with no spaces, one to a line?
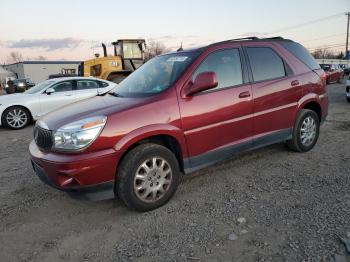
{"x":15,"y":57}
{"x":155,"y":48}
{"x":324,"y":53}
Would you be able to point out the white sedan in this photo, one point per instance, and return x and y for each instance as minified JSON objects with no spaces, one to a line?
{"x":18,"y":110}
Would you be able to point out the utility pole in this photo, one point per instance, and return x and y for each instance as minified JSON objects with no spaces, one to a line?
{"x":347,"y":35}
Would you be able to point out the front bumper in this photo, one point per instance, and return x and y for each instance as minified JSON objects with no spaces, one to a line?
{"x":88,"y":176}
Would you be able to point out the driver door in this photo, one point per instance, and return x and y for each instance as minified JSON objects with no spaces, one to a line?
{"x":64,"y":94}
{"x":217,"y":122}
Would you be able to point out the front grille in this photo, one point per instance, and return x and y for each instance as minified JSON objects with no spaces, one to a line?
{"x":43,"y":138}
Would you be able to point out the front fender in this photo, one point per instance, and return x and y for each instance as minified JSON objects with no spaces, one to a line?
{"x":152,"y":130}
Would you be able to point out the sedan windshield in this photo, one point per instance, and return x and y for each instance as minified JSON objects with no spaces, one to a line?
{"x":39,"y":87}
{"x":155,"y":76}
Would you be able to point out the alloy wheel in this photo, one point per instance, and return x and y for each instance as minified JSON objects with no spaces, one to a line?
{"x":308,"y":131}
{"x":17,"y":118}
{"x":152,"y":179}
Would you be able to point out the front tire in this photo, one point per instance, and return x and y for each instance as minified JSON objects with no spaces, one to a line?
{"x":15,"y":117}
{"x":147,"y":177}
{"x":305,"y":132}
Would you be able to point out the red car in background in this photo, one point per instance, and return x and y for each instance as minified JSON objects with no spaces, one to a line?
{"x":334,"y":73}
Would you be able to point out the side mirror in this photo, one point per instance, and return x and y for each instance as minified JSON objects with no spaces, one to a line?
{"x":50,"y":91}
{"x":204,"y":81}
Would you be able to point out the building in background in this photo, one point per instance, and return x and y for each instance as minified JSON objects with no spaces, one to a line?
{"x":39,"y":71}
{"x":5,"y":75}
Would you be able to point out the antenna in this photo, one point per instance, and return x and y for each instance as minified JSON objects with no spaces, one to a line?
{"x":180,"y":49}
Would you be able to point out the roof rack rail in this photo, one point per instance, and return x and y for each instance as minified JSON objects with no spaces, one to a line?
{"x":250,"y":38}
{"x":273,"y":38}
{"x":245,"y":38}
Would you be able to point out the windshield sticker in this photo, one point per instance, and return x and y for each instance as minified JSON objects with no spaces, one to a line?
{"x":177,"y":59}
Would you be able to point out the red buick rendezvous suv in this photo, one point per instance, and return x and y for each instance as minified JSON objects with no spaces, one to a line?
{"x":178,"y":113}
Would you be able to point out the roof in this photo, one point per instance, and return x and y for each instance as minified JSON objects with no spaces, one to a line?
{"x":75,"y":78}
{"x":62,"y":62}
{"x":244,"y":39}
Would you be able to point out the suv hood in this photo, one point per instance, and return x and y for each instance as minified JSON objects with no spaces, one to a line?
{"x":100,"y":105}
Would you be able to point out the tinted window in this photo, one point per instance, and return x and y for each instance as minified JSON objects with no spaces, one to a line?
{"x":265,"y":63}
{"x":227,"y":66}
{"x":86,"y":84}
{"x":302,"y":54}
{"x":102,"y":84}
{"x":63,"y":86}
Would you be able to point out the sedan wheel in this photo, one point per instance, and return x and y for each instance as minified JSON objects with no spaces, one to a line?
{"x":16,"y":118}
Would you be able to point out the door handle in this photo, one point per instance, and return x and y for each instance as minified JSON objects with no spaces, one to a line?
{"x":295,"y":83}
{"x":68,"y":95}
{"x":244,"y":94}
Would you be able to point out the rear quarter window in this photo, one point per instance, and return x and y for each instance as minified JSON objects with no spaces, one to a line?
{"x":302,"y":54}
{"x":102,"y":84}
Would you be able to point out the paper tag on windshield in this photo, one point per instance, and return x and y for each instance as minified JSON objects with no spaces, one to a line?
{"x":177,"y":59}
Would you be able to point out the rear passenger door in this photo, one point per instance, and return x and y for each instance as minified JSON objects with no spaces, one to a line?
{"x":217,"y":122}
{"x":86,"y":88}
{"x":275,"y":93}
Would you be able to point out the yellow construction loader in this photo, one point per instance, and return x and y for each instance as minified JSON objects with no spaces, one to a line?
{"x":128,"y":56}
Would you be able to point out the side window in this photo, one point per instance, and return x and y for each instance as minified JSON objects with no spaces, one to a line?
{"x":102,"y":84}
{"x":265,"y":63}
{"x":227,"y":66}
{"x":63,"y":86}
{"x":86,"y":84}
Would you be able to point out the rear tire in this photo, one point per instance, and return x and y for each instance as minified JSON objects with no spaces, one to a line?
{"x":348,"y":99}
{"x":147,"y":177}
{"x":305,"y":132}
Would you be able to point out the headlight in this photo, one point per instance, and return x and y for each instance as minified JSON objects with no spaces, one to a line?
{"x":20,"y":84}
{"x":79,"y":134}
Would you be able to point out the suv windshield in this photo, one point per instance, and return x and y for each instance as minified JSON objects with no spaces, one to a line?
{"x":156,"y":75}
{"x":39,"y":87}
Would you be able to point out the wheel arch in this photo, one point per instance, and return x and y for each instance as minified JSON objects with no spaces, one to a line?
{"x":22,"y":106}
{"x":169,"y":137}
{"x":311,"y":102}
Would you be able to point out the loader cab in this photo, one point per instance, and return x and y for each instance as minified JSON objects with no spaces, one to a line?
{"x":131,"y":52}
{"x":128,"y":56}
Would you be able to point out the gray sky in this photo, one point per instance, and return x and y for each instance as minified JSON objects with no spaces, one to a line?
{"x":69,"y":29}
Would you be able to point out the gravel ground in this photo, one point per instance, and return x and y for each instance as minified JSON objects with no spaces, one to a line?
{"x":266,"y":205}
